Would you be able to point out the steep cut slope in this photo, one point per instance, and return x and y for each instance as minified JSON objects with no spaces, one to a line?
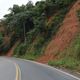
{"x":11,"y":51}
{"x":64,"y":36}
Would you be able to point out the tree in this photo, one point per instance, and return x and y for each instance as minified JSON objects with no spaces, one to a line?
{"x":29,"y":6}
{"x":15,"y":9}
{"x":1,"y":38}
{"x":29,"y":15}
{"x":39,"y":8}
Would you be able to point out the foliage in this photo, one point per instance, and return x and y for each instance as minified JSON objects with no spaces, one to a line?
{"x":25,"y":52}
{"x":5,"y":48}
{"x":69,"y":63}
{"x":53,"y":6}
{"x":20,"y":50}
{"x":56,"y":21}
{"x":70,"y":57}
{"x":20,"y":17}
{"x":1,"y":38}
{"x":29,"y":21}
{"x":74,"y":49}
{"x":29,"y":15}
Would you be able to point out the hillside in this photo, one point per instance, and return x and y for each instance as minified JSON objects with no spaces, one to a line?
{"x":64,"y":36}
{"x":47,"y":32}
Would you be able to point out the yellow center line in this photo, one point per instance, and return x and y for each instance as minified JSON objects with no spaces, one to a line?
{"x":18,"y":72}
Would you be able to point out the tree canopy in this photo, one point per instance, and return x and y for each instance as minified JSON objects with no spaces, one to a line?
{"x":31,"y":15}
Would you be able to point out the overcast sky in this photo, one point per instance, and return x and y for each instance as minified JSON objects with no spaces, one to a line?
{"x":6,"y":4}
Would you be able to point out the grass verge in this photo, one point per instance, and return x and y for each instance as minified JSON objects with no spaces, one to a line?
{"x":69,"y":63}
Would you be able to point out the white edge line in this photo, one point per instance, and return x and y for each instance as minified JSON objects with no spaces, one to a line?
{"x":45,"y":65}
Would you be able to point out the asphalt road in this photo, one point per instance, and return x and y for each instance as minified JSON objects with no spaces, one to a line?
{"x":17,"y":69}
{"x":7,"y":70}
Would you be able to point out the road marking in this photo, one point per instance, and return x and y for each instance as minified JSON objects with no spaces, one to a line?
{"x":18,"y":72}
{"x":45,"y":65}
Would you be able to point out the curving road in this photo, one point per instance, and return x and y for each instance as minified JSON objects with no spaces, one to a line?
{"x":7,"y":70}
{"x":17,"y":69}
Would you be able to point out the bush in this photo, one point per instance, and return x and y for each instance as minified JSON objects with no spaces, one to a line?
{"x":69,"y":63}
{"x":30,"y":56}
{"x":13,"y":40}
{"x":53,"y":26}
{"x":31,"y":35}
{"x":5,"y":48}
{"x":39,"y":42}
{"x":1,"y":38}
{"x":52,"y":6}
{"x":20,"y":50}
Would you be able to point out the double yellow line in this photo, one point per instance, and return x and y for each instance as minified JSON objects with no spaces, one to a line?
{"x":18,"y":72}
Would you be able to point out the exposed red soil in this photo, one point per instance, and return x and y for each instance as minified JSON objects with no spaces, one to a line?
{"x":66,"y":33}
{"x":11,"y":51}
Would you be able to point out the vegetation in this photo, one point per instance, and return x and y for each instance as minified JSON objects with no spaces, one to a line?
{"x":70,"y":57}
{"x":1,"y":38}
{"x":66,"y":62}
{"x":34,"y":25}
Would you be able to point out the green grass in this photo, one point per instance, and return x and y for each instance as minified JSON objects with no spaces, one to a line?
{"x":73,"y":50}
{"x":30,"y":57}
{"x":70,"y":57}
{"x":69,"y":63}
{"x":31,"y":52}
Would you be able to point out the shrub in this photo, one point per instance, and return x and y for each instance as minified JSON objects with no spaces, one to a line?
{"x":22,"y":50}
{"x":40,"y":42}
{"x":56,"y":22}
{"x":5,"y":48}
{"x":69,"y":63}
{"x":1,"y":38}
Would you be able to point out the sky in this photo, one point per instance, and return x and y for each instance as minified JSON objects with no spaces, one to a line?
{"x":6,"y":4}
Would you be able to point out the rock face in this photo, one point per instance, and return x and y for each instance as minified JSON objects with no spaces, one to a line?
{"x":66,"y":33}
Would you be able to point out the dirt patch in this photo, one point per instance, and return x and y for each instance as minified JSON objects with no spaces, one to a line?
{"x":11,"y":51}
{"x":66,"y":33}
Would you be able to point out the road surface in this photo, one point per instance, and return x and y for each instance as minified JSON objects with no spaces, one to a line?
{"x":17,"y":69}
